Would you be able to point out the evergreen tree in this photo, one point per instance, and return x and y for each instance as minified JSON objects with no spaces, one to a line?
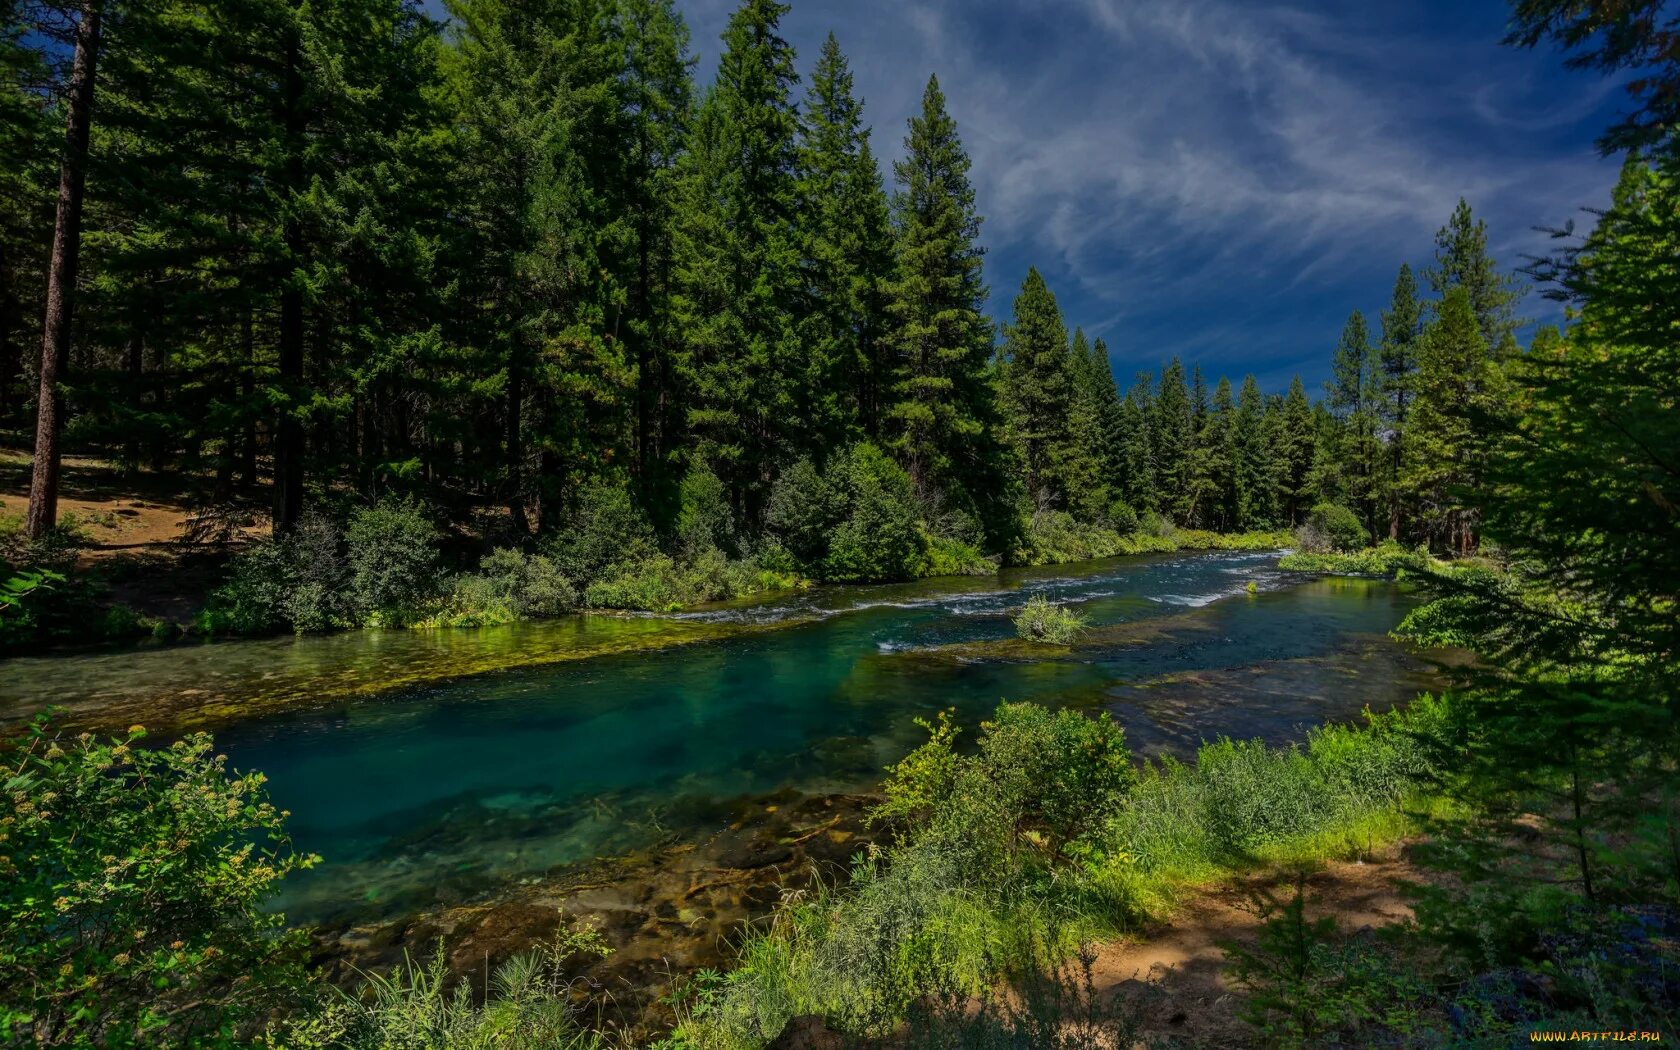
{"x":940,"y":340}
{"x":656,"y":103}
{"x":1049,"y":417}
{"x":848,"y":254}
{"x":1452,"y":356}
{"x":1296,"y":448}
{"x":1134,"y":449}
{"x":1218,"y":452}
{"x":1173,"y":446}
{"x":1462,"y":261}
{"x":1255,"y":467}
{"x":738,"y":263}
{"x":1402,"y":325}
{"x":1352,"y":398}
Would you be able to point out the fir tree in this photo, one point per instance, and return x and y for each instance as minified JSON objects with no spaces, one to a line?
{"x":848,"y":256}
{"x":1402,"y":324}
{"x":1255,"y":468}
{"x":1173,"y":445}
{"x":1352,"y":398}
{"x":1462,"y":261}
{"x":1452,"y":355}
{"x":940,"y":340}
{"x":738,"y":269}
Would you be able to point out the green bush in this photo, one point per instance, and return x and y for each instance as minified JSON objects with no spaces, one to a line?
{"x":299,"y":581}
{"x":1122,"y":518}
{"x":393,"y":559}
{"x":509,"y":586}
{"x":1332,"y":527}
{"x":1042,"y":621}
{"x":1387,"y":559}
{"x":704,"y":517}
{"x":881,"y":536}
{"x":604,"y":533}
{"x":805,"y":509}
{"x":133,"y":895}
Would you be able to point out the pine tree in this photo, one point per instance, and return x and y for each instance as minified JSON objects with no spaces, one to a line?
{"x":940,"y":340}
{"x":1109,"y":410}
{"x":1255,"y":467}
{"x":848,"y":256}
{"x":739,"y":278}
{"x":1049,"y":415}
{"x":1173,"y":445}
{"x":1134,"y":447}
{"x":1352,"y":398}
{"x":1296,"y":449}
{"x":656,"y":105}
{"x":1218,"y":451}
{"x":1452,"y":356}
{"x":1462,"y":261}
{"x":1402,"y":325}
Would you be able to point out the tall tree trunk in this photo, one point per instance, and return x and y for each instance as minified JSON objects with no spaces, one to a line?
{"x":515,"y":442}
{"x":134,"y":365}
{"x":247,"y":391}
{"x":61,"y":278}
{"x":288,"y":434}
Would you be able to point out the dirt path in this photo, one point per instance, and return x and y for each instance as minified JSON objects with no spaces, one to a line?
{"x":1173,"y":975}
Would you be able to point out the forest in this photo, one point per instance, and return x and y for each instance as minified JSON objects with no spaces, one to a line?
{"x":435,"y":327}
{"x":497,"y":285}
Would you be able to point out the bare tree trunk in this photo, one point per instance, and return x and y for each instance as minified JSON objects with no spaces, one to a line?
{"x":288,"y":433}
{"x":61,"y":278}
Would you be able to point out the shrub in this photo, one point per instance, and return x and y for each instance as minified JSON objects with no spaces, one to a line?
{"x":509,"y":585}
{"x":881,"y":537}
{"x":954,"y":557}
{"x":804,"y":511}
{"x":393,"y":560}
{"x":605,"y":532}
{"x":297,"y":581}
{"x":1387,"y":559}
{"x":1042,"y":621}
{"x":317,"y":576}
{"x":704,"y":518}
{"x":1332,"y":527}
{"x":1057,"y":772}
{"x":1122,"y":518}
{"x":133,"y":892}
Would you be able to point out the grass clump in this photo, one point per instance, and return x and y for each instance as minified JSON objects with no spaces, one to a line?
{"x":1386,"y":559}
{"x":1043,"y":621}
{"x":1009,"y":857}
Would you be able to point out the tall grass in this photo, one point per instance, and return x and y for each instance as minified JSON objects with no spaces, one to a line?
{"x":965,"y":898}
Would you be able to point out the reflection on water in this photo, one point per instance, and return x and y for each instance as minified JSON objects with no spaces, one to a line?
{"x":442,"y":791}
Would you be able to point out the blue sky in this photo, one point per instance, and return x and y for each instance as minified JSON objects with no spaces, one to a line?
{"x":1223,"y":180}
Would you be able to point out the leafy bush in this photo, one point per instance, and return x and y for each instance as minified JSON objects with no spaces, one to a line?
{"x":664,"y":584}
{"x":1331,"y":527}
{"x":1122,"y":518}
{"x":953,"y":557}
{"x":1387,"y":559}
{"x":298,"y":581}
{"x":1042,"y":621}
{"x":804,"y":511}
{"x":393,"y":559}
{"x":509,"y":586}
{"x":133,"y":891}
{"x":704,"y":517}
{"x":603,"y":534}
{"x":881,"y":536}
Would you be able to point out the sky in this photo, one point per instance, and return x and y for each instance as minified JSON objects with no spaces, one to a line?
{"x":1223,"y":180}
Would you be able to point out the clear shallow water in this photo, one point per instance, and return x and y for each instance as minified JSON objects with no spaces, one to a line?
{"x":442,"y":792}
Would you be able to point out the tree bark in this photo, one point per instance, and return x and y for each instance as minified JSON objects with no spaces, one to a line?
{"x":61,"y":278}
{"x":288,"y":431}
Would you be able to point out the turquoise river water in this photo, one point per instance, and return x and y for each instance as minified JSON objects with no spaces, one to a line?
{"x":430,"y":793}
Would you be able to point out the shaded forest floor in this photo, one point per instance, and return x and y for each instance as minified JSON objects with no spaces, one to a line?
{"x":146,"y":537}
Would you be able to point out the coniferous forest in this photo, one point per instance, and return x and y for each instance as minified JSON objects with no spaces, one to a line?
{"x":514,"y":274}
{"x":558,"y":384}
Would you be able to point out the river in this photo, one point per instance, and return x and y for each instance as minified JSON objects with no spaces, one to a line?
{"x":530,"y":750}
